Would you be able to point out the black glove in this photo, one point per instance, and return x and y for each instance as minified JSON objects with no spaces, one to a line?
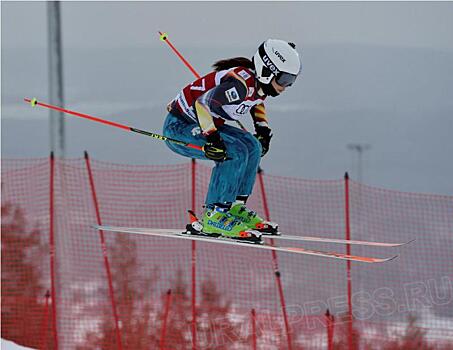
{"x":264,"y":135}
{"x":215,"y":148}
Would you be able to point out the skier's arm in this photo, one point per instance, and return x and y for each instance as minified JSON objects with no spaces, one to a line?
{"x":230,"y":91}
{"x":259,"y":116}
{"x":204,"y":118}
{"x":262,"y":129}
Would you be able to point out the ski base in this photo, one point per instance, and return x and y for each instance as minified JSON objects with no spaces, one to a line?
{"x":170,"y":233}
{"x":193,"y":230}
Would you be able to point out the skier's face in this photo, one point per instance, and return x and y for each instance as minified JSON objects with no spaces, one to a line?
{"x":278,"y":88}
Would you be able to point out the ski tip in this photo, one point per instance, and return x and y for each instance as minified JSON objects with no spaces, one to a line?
{"x":401,"y":244}
{"x":391,"y":258}
{"x":378,"y":260}
{"x":409,"y":242}
{"x":371,"y":260}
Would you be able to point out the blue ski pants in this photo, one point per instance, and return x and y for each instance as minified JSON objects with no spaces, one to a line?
{"x":230,"y":178}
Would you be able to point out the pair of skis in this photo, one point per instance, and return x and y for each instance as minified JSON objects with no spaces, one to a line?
{"x":176,"y":233}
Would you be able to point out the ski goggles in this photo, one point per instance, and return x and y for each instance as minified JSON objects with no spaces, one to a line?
{"x":281,"y":78}
{"x":285,"y":79}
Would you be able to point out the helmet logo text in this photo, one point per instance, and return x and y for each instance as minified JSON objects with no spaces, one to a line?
{"x":267,"y":61}
{"x":279,"y":55}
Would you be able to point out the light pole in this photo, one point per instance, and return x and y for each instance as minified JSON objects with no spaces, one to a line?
{"x":57,"y":129}
{"x":360,"y":220}
{"x":359,"y":148}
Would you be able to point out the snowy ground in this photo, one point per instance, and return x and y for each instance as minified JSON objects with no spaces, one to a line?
{"x":9,"y":345}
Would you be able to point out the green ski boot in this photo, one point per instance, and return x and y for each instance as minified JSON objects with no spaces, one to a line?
{"x":252,"y":220}
{"x":217,"y":222}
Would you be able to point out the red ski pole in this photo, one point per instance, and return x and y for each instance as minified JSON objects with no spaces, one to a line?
{"x":34,"y":102}
{"x":164,"y":37}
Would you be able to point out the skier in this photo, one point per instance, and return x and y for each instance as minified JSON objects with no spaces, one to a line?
{"x":197,"y":115}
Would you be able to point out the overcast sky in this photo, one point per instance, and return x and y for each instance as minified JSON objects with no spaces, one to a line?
{"x":374,"y":72}
{"x":134,"y":24}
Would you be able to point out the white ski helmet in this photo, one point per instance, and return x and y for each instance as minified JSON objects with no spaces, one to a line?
{"x":279,"y":59}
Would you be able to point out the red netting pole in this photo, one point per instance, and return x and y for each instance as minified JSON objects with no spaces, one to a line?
{"x":45,"y":322}
{"x":104,"y":252}
{"x":194,"y":267}
{"x":164,"y":321}
{"x":253,"y":328}
{"x":348,"y":263}
{"x":275,"y":261}
{"x":52,"y":249}
{"x":194,"y":166}
{"x":330,"y":329}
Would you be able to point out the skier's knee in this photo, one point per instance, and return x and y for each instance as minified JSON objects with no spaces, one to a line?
{"x":237,"y":152}
{"x":254,"y":147}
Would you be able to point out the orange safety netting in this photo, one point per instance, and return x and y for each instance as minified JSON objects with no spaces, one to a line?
{"x":67,"y":286}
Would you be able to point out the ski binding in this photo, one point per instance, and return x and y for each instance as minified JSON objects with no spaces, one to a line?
{"x":195,"y":228}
